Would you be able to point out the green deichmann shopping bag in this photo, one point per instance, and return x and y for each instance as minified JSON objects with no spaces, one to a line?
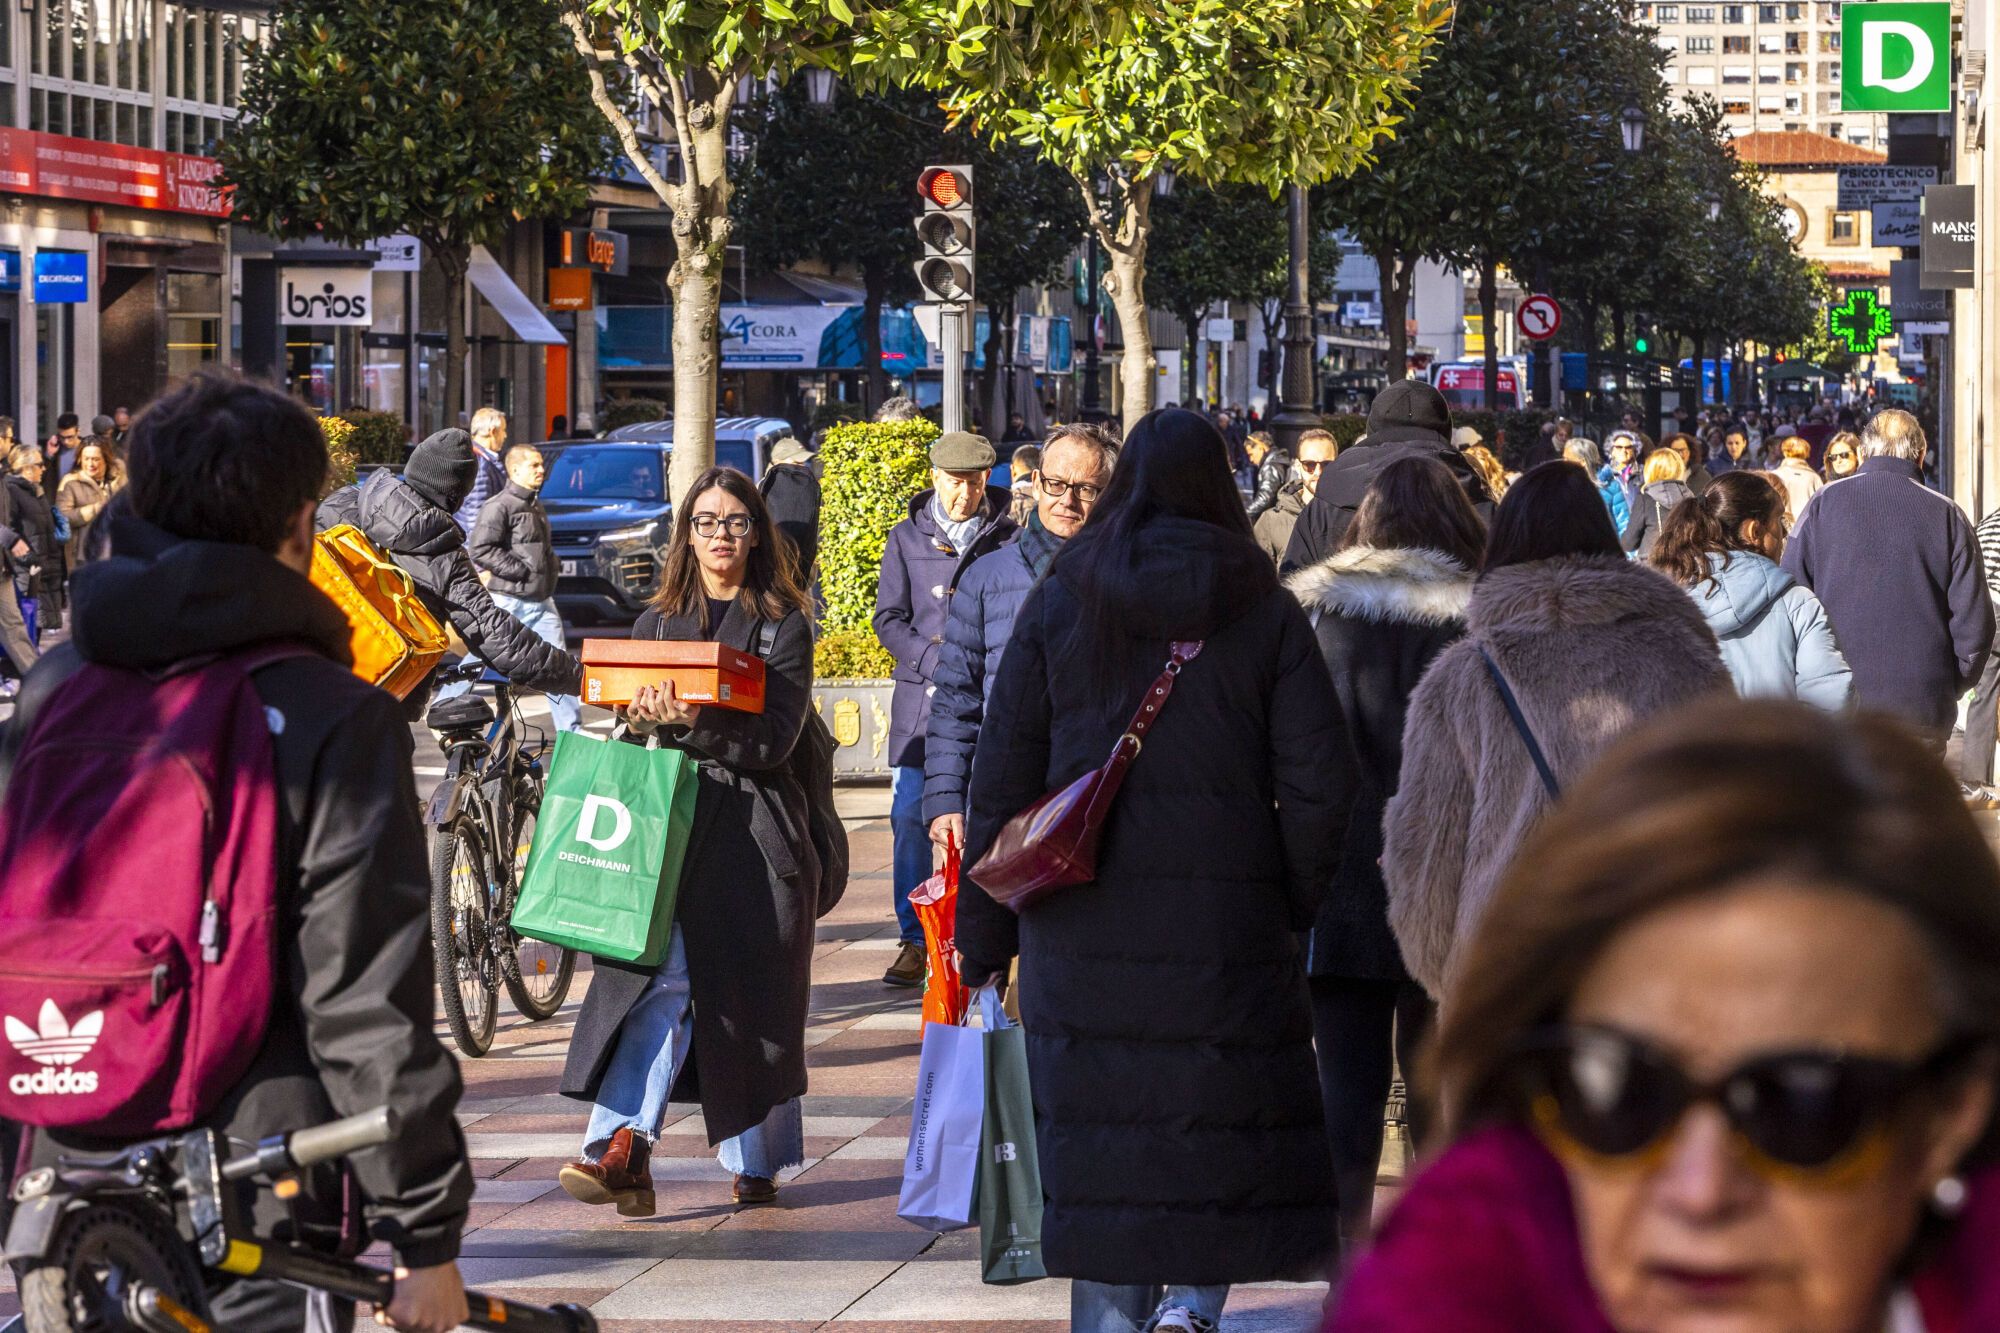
{"x":605,"y":866}
{"x":1010,"y":1173}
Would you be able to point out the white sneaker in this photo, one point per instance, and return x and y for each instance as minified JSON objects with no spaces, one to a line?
{"x":1180,"y":1319}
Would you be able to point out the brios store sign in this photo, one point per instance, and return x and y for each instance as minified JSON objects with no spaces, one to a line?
{"x":1896,"y":56}
{"x":314,"y":295}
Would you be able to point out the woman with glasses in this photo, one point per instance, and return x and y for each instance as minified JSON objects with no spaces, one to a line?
{"x":1843,"y":455}
{"x":730,"y":998}
{"x":1741,"y":1081}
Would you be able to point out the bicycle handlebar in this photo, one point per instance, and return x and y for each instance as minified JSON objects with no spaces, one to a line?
{"x":309,"y":1147}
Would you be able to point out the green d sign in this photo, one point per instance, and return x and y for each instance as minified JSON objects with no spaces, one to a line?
{"x":1896,"y":56}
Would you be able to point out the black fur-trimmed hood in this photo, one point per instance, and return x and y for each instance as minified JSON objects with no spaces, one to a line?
{"x":1419,"y":587}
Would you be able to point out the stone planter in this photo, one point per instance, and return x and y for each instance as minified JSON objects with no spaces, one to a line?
{"x":857,"y":713}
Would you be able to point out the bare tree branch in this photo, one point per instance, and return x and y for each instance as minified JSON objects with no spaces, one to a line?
{"x":614,"y":115}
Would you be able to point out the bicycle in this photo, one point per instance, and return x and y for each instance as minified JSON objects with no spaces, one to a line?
{"x":117,"y":1242}
{"x":482,"y":822}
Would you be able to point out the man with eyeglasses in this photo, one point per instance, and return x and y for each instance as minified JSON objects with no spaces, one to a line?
{"x":959,"y":519}
{"x":1075,"y":467}
{"x":1274,"y":526}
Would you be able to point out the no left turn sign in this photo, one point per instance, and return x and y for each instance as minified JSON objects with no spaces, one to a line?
{"x":1539,"y":317}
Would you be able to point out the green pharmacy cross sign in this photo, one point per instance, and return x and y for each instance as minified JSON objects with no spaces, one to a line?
{"x":1860,"y":321}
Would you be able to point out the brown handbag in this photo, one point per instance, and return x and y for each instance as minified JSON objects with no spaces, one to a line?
{"x":1053,"y":843}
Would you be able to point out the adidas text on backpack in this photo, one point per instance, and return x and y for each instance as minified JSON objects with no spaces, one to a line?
{"x":138,"y":897}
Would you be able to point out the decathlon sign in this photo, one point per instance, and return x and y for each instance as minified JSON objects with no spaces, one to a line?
{"x":326,"y":295}
{"x":1895,"y":55}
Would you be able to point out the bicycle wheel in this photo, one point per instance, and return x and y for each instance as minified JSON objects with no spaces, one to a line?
{"x":537,"y":973}
{"x":466,"y":978}
{"x":99,"y":1252}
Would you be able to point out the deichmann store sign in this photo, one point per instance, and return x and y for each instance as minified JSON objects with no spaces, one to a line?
{"x":1951,"y":236}
{"x":1896,"y":56}
{"x":326,"y":295}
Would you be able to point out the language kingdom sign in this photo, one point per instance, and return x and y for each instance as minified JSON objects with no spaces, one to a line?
{"x":1896,"y":56}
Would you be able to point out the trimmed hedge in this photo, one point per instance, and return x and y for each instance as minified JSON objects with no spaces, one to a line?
{"x":630,"y":412}
{"x":1346,"y":427}
{"x":340,"y":459}
{"x":379,"y":437}
{"x":869,"y":472}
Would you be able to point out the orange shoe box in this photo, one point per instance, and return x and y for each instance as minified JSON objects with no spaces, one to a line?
{"x":614,"y":670}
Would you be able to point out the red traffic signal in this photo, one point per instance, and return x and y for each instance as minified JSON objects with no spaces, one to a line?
{"x":945,"y":187}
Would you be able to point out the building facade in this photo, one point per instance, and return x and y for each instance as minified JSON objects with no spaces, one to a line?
{"x":1770,"y":66}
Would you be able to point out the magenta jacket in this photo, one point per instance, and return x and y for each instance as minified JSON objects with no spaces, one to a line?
{"x":1485,"y":1242}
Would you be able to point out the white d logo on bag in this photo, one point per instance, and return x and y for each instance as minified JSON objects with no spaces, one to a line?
{"x":621,"y":823}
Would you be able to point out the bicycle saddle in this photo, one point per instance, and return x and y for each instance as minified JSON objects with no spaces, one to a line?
{"x":466,"y":712}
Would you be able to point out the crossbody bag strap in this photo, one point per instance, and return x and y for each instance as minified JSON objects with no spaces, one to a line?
{"x":1134,"y":737}
{"x":1527,"y":732}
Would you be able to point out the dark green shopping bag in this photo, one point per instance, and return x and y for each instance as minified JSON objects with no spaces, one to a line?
{"x":1010,"y":1172}
{"x":605,"y":867}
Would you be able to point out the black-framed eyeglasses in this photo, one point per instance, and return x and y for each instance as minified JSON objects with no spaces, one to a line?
{"x":707,"y":525}
{"x":1056,"y":488}
{"x":1840,"y":457}
{"x":1808,"y":1111}
{"x":1310,"y":464}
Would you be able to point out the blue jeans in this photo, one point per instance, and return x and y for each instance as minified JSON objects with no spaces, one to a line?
{"x":543,"y":618}
{"x":910,"y":859}
{"x":1100,"y":1307}
{"x":653,"y":1044}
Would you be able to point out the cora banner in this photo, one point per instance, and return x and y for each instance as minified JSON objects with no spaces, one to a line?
{"x":59,"y":167}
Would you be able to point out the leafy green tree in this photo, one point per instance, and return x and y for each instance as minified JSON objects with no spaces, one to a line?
{"x":838,"y":184}
{"x":449,"y":121}
{"x":1258,"y":92}
{"x":1212,"y":245}
{"x":685,"y":61}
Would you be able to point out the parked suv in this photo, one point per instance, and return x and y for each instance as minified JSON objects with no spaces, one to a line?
{"x":609,"y":514}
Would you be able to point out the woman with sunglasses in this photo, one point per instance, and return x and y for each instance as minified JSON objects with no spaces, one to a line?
{"x":1742,"y":1081}
{"x":730,"y":997}
{"x":1843,"y":455}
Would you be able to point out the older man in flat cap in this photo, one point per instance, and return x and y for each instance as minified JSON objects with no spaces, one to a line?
{"x":960,"y":518}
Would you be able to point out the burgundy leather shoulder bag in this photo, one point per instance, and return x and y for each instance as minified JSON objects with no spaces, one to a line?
{"x":1053,"y":843}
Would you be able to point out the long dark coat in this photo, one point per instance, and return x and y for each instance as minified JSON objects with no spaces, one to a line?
{"x":1380,"y":617}
{"x":1169,"y":1027}
{"x":748,"y":895}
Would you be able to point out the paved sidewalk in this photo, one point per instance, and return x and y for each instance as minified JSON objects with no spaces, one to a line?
{"x":831,"y":1252}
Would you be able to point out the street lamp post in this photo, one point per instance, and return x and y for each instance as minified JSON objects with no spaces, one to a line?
{"x":1296,"y":415}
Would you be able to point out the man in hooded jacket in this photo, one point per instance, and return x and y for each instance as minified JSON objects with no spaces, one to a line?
{"x":411,"y":519}
{"x":1407,"y":419}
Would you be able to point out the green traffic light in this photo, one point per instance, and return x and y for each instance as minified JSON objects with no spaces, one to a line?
{"x":1639,"y":345}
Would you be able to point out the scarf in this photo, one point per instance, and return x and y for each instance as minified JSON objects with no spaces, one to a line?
{"x":961,"y":533}
{"x":1038,"y":545}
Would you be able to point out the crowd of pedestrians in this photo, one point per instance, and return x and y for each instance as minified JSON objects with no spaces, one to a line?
{"x":1604,"y":800}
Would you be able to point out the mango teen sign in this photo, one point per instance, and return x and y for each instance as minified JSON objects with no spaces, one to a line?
{"x":1896,"y":56}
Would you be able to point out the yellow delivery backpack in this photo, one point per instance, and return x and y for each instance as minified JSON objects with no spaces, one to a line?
{"x":395,"y":638}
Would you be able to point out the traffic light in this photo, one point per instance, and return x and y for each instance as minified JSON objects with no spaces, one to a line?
{"x":1639,"y":344}
{"x":946,"y":230}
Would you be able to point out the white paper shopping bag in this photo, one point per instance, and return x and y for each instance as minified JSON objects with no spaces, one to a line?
{"x":941,"y":1168}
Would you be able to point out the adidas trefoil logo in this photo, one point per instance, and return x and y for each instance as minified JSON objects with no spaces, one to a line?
{"x":58,"y":1045}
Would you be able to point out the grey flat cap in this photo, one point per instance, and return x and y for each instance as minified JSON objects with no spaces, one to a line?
{"x":962,"y":451}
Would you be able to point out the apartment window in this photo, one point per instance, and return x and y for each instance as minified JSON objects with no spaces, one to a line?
{"x":1701,"y":13}
{"x":1832,"y":129}
{"x":1769,"y":104}
{"x":1793,"y":104}
{"x":1767,"y":13}
{"x":1701,"y":76}
{"x":1795,"y":73}
{"x":1736,"y":74}
{"x":1736,"y":46}
{"x":1795,"y":43}
{"x":1701,"y":46}
{"x":1737,"y":108}
{"x":1794,"y":13}
{"x":1667,"y":14}
{"x":1767,"y":44}
{"x":1793,"y":127}
{"x":1732,"y":13}
{"x":1843,"y":228}
{"x":1829,"y":41}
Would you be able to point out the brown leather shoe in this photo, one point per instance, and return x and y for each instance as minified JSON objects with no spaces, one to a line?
{"x":908,"y":969}
{"x":622,"y":1176}
{"x":752,"y":1191}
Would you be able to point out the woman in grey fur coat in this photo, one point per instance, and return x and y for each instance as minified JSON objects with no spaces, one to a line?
{"x":1590,"y":644}
{"x":1383,"y":606}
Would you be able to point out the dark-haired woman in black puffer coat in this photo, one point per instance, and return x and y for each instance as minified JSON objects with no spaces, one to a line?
{"x":1168,"y":1023}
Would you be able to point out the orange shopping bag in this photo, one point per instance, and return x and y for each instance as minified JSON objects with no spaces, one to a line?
{"x":936,"y":901}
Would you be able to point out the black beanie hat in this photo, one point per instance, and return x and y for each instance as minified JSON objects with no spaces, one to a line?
{"x":1409,"y":410}
{"x":443,"y":468}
